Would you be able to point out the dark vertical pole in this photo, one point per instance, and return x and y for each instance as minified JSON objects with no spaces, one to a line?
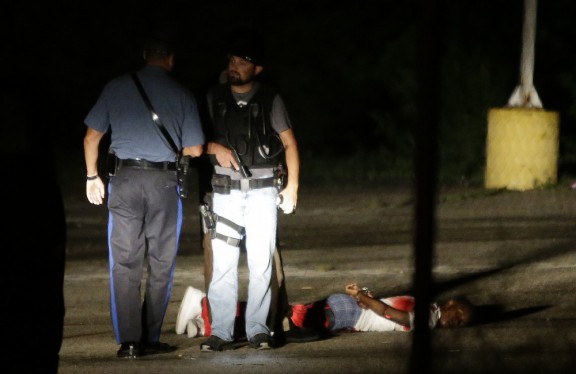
{"x":425,"y":164}
{"x":34,"y":228}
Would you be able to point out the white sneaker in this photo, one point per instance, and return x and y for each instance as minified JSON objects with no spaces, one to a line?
{"x":190,"y":308}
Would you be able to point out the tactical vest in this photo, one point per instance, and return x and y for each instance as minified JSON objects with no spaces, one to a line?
{"x":247,"y":129}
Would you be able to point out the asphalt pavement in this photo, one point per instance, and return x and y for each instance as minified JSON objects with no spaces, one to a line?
{"x":510,"y":253}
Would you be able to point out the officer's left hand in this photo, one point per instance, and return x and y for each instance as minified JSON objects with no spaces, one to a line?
{"x":95,"y":191}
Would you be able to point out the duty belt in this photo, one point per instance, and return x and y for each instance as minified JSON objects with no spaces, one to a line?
{"x":252,"y":184}
{"x":145,"y":164}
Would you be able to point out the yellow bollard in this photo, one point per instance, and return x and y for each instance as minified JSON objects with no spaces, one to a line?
{"x":521,"y":148}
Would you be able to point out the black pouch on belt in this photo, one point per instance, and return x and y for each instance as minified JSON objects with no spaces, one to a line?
{"x":182,"y":173}
{"x":221,"y":184}
{"x":111,"y":164}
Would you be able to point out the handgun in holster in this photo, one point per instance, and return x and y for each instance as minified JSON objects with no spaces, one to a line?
{"x":111,"y":164}
{"x":208,"y":219}
{"x":182,"y":173}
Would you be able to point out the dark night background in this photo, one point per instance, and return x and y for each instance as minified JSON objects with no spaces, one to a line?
{"x":346,"y":69}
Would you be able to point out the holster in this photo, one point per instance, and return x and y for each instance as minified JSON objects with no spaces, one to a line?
{"x":182,"y":174}
{"x":221,"y":184}
{"x":111,"y":164}
{"x":208,"y":218}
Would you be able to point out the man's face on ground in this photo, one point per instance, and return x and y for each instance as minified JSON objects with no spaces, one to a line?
{"x":454,"y":314}
{"x":240,"y":71}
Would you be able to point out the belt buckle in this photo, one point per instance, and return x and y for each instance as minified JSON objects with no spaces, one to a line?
{"x":244,"y":185}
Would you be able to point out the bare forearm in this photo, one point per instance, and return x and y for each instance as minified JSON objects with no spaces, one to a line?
{"x":292,"y":157}
{"x":290,"y":192}
{"x":293,"y":165}
{"x":91,"y":143}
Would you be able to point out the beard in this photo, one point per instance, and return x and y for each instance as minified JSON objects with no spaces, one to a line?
{"x":235,"y":80}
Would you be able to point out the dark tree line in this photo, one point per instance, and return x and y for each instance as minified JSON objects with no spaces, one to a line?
{"x":347,"y":70}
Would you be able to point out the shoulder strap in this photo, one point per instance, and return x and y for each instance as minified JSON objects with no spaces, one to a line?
{"x":155,"y":117}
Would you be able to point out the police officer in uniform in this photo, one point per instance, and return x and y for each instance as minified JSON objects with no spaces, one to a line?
{"x":252,"y":139}
{"x":145,"y":209}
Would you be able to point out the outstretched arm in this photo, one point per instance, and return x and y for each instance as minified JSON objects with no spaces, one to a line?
{"x":366,"y":300}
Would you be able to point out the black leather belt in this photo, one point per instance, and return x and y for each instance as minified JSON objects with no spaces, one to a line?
{"x":252,"y":184}
{"x":145,"y":164}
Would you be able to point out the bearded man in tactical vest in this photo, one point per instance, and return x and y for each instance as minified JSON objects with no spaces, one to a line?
{"x":252,"y":143}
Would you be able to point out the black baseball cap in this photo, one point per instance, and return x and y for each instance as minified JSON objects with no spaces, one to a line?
{"x":247,"y":44}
